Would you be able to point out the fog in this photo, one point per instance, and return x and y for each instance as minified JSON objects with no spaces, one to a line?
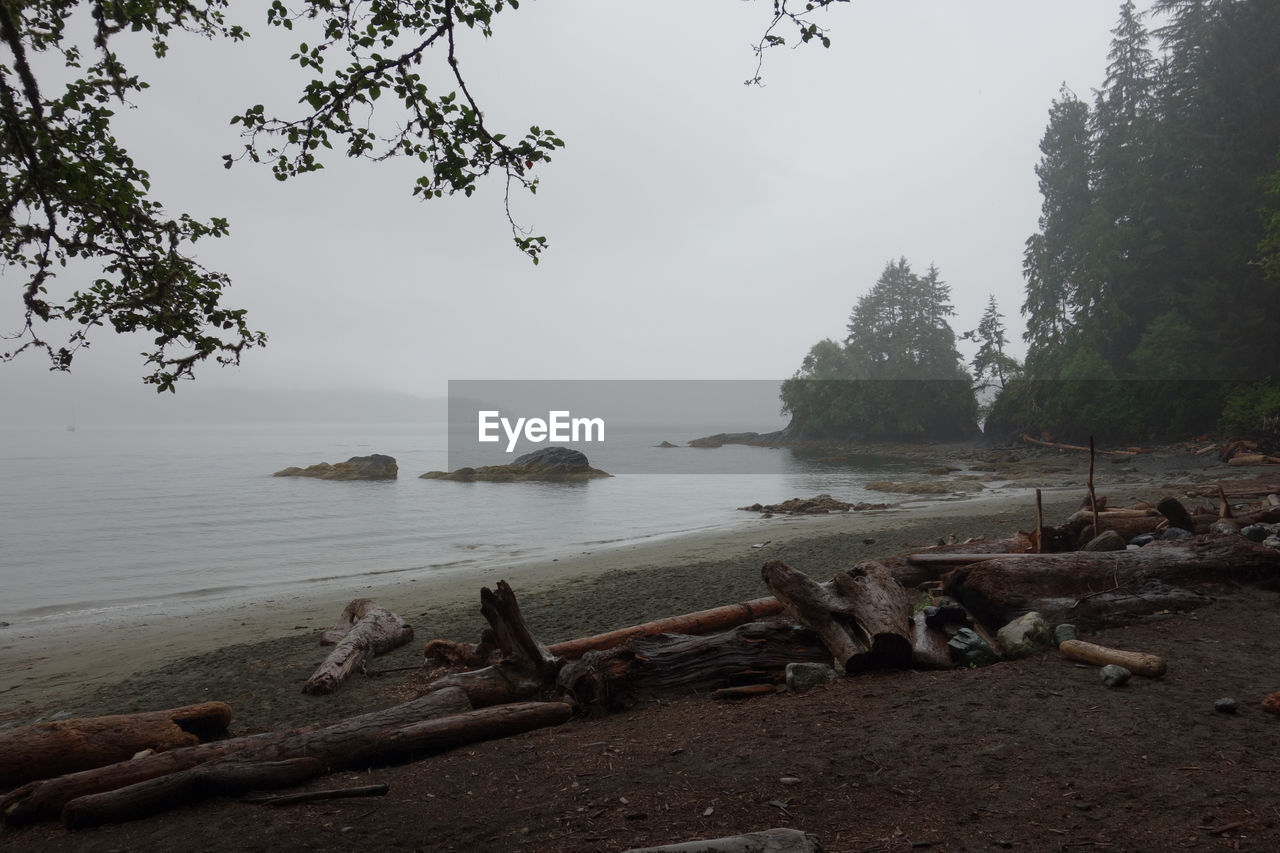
{"x":699,"y":228}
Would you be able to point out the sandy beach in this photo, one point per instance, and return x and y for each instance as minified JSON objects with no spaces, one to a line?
{"x":257,"y":657}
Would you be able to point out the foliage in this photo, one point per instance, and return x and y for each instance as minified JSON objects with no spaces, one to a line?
{"x":1148,"y":265}
{"x":73,"y":202}
{"x":897,"y":375}
{"x":1252,"y":409}
{"x":992,"y":366}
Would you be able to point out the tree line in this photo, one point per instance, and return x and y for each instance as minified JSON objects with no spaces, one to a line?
{"x":1151,"y":304}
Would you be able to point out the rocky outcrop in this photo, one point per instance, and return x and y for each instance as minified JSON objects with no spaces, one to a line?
{"x":375,"y":467}
{"x":550,"y":464}
{"x":817,"y":505}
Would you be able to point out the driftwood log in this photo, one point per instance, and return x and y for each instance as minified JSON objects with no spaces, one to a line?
{"x":862,"y":615}
{"x":1094,"y":588}
{"x":755,"y":653}
{"x":43,"y":750}
{"x":1139,"y":663}
{"x":431,"y":723}
{"x":364,"y":629}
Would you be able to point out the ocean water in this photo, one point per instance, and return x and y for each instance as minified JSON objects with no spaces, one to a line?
{"x":108,"y":521}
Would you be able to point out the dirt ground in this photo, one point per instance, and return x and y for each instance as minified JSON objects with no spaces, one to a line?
{"x":1028,"y":755}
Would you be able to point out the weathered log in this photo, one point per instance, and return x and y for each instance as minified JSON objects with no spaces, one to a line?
{"x":1176,"y":513}
{"x":861,"y":615}
{"x":44,"y":799}
{"x":1134,"y":451}
{"x":1091,"y":588}
{"x":188,"y":786}
{"x":371,"y":630}
{"x":702,"y":622}
{"x":43,"y":750}
{"x":755,"y":653}
{"x":912,"y":574}
{"x":240,"y":772}
{"x":1138,"y":663}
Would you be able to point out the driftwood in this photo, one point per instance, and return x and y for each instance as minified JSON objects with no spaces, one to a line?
{"x":702,"y":622}
{"x":376,"y":790}
{"x":1134,"y":451}
{"x":862,"y":615}
{"x":526,"y":666}
{"x":1138,"y":663}
{"x":365,"y":629}
{"x":755,"y":653}
{"x":44,"y":799}
{"x":43,"y":750}
{"x":1091,"y":588}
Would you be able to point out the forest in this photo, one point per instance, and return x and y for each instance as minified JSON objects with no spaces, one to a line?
{"x":1151,"y":283}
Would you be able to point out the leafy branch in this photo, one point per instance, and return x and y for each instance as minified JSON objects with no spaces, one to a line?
{"x":785,"y":13}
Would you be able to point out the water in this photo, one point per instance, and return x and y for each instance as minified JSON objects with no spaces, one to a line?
{"x":107,"y":520}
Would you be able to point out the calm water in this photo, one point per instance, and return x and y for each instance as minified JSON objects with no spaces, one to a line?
{"x":105,"y":520}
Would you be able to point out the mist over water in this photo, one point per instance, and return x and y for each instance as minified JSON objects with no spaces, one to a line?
{"x":109,"y":520}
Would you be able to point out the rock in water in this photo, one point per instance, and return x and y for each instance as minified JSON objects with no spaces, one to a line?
{"x":1115,"y":676}
{"x":554,"y":464}
{"x":1025,"y":636}
{"x":806,"y":676}
{"x":375,"y":467}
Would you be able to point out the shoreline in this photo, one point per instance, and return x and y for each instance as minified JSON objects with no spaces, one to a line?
{"x":54,"y":668}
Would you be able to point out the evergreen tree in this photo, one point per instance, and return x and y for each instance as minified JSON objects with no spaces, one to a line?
{"x":992,"y":366}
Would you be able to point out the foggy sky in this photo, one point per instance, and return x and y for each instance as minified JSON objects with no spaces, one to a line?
{"x":699,"y":228}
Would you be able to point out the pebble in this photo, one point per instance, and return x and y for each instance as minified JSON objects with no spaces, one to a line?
{"x":1226,"y":705}
{"x":789,"y":780}
{"x":1254,"y":532}
{"x":1142,"y":539}
{"x":1115,"y":676}
{"x":1175,"y":533}
{"x":1272,"y":703}
{"x":1064,"y":632}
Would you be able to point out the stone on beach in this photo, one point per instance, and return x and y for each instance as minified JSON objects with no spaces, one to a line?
{"x":1025,"y":636}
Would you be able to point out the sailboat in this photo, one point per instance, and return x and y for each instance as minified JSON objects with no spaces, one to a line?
{"x":71,"y":427}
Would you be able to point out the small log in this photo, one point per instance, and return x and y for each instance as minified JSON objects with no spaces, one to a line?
{"x":44,"y":750}
{"x":862,"y":615}
{"x":1056,"y":446}
{"x":693,"y":624}
{"x":1138,"y":663}
{"x":373,"y":630}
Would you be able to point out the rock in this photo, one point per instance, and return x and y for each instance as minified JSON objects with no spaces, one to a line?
{"x":375,"y":467}
{"x":550,"y":464}
{"x":1107,"y":540}
{"x":1175,"y":534}
{"x":1271,"y":704}
{"x":1254,"y":532}
{"x":1272,"y":542}
{"x":1226,"y":705}
{"x":817,"y":505}
{"x":1142,"y":539}
{"x":969,"y":649}
{"x":921,"y":487}
{"x":1064,"y":632}
{"x":1115,"y":676}
{"x":1025,"y":636}
{"x":666,"y":444}
{"x":806,"y":676}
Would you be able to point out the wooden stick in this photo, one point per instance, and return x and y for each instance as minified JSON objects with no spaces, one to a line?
{"x":1136,"y":662}
{"x":1057,"y":446}
{"x":377,"y":790}
{"x":703,"y":622}
{"x":1039,"y":523}
{"x":1093,"y":496}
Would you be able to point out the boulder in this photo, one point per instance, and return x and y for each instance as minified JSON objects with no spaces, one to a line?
{"x":1107,"y":540}
{"x":550,"y":464}
{"x":375,"y":467}
{"x":806,"y":676}
{"x":969,"y":649}
{"x":1025,"y":636}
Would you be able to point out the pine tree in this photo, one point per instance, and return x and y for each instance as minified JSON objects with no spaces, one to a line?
{"x":992,"y":367}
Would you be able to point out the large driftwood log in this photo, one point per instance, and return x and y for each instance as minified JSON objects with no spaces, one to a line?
{"x":364,"y":629}
{"x":44,"y":799}
{"x":912,"y":574}
{"x":755,"y":653}
{"x":862,"y":615}
{"x":240,"y":773}
{"x":43,"y":750}
{"x":1092,"y":588}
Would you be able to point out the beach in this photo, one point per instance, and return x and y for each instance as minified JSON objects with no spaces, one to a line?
{"x":256,"y":657}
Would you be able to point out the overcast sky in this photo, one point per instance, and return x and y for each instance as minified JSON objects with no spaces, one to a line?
{"x":699,"y":228}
